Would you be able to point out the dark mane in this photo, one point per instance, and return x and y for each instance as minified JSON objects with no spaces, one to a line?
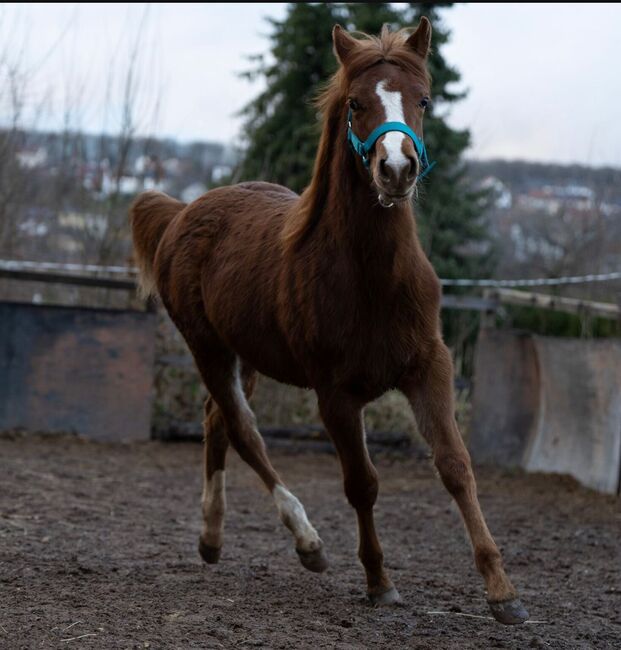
{"x":389,"y":47}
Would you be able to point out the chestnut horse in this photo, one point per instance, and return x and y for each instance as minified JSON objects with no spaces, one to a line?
{"x":328,"y":290}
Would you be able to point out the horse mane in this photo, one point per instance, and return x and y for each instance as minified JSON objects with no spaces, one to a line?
{"x":389,"y":47}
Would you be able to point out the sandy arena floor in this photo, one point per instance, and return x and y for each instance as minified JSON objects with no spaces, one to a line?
{"x":98,"y":550}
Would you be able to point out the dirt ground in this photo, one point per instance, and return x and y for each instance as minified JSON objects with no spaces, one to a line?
{"x":98,"y":550}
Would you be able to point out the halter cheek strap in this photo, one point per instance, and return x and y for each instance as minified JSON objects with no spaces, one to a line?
{"x":363,"y":148}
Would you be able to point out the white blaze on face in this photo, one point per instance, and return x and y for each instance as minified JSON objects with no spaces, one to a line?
{"x":393,"y":107}
{"x":214,"y":506}
{"x":293,"y":515}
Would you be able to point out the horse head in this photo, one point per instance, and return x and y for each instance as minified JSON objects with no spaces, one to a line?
{"x":386,"y":87}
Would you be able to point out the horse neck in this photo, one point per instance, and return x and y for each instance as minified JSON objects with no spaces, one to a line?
{"x":357,"y":225}
{"x":341,"y":213}
{"x":354,"y":215}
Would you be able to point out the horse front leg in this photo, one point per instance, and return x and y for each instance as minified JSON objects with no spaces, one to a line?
{"x":343,"y":420}
{"x":429,"y":388}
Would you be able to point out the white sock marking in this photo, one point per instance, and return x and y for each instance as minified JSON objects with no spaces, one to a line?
{"x":293,"y":515}
{"x":393,"y":106}
{"x":214,"y":506}
{"x":240,"y":394}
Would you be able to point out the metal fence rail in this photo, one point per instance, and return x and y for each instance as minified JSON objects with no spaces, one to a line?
{"x":495,"y":294}
{"x":130,"y":271}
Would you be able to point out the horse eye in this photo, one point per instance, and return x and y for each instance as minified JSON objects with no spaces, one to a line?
{"x":424,"y":102}
{"x":354,"y":105}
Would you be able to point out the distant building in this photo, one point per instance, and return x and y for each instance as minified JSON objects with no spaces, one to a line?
{"x":500,"y":192}
{"x":551,"y":198}
{"x":34,"y":228}
{"x":193,"y":192}
{"x":129,"y":185}
{"x":172,"y":166}
{"x":527,"y":246}
{"x":92,"y":223}
{"x":579,"y":197}
{"x":537,"y":201}
{"x":220,"y":172}
{"x":32,"y":158}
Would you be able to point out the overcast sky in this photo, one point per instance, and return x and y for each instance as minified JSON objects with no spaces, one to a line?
{"x":544,"y":80}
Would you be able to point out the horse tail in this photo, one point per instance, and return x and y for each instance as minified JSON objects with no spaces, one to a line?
{"x":149,"y":216}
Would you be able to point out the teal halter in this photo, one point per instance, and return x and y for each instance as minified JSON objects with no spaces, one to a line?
{"x":363,"y":148}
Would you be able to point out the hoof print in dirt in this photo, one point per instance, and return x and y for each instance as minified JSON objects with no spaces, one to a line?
{"x":509,"y":612}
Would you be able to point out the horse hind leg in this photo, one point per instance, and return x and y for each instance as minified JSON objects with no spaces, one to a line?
{"x":249,"y":444}
{"x":213,"y":500}
{"x":229,"y":383}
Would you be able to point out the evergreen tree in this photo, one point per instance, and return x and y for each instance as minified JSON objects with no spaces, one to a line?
{"x":282,"y":126}
{"x":368,"y":17}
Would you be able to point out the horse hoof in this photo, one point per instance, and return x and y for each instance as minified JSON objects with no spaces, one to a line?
{"x":315,"y":561}
{"x":210,"y":554}
{"x":389,"y":597}
{"x":509,"y":612}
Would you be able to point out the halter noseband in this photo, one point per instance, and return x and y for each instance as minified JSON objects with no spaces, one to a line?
{"x":363,"y":148}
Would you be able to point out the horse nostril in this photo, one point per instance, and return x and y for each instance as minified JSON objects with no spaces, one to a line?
{"x":382,"y":168}
{"x":413,"y":167}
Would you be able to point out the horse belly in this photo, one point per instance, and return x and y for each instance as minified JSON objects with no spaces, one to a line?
{"x":372,"y":381}
{"x":271,"y":357}
{"x":242,"y":312}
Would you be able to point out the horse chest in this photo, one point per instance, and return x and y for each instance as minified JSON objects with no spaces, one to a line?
{"x":366,"y":349}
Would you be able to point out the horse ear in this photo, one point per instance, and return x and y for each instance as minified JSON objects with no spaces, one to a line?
{"x":344,"y":44}
{"x":420,"y":40}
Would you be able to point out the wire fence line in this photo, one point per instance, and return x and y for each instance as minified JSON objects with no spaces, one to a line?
{"x":534,"y":282}
{"x":129,"y":271}
{"x":19,"y":265}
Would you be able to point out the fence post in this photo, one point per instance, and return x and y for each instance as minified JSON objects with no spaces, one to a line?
{"x":488,"y":317}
